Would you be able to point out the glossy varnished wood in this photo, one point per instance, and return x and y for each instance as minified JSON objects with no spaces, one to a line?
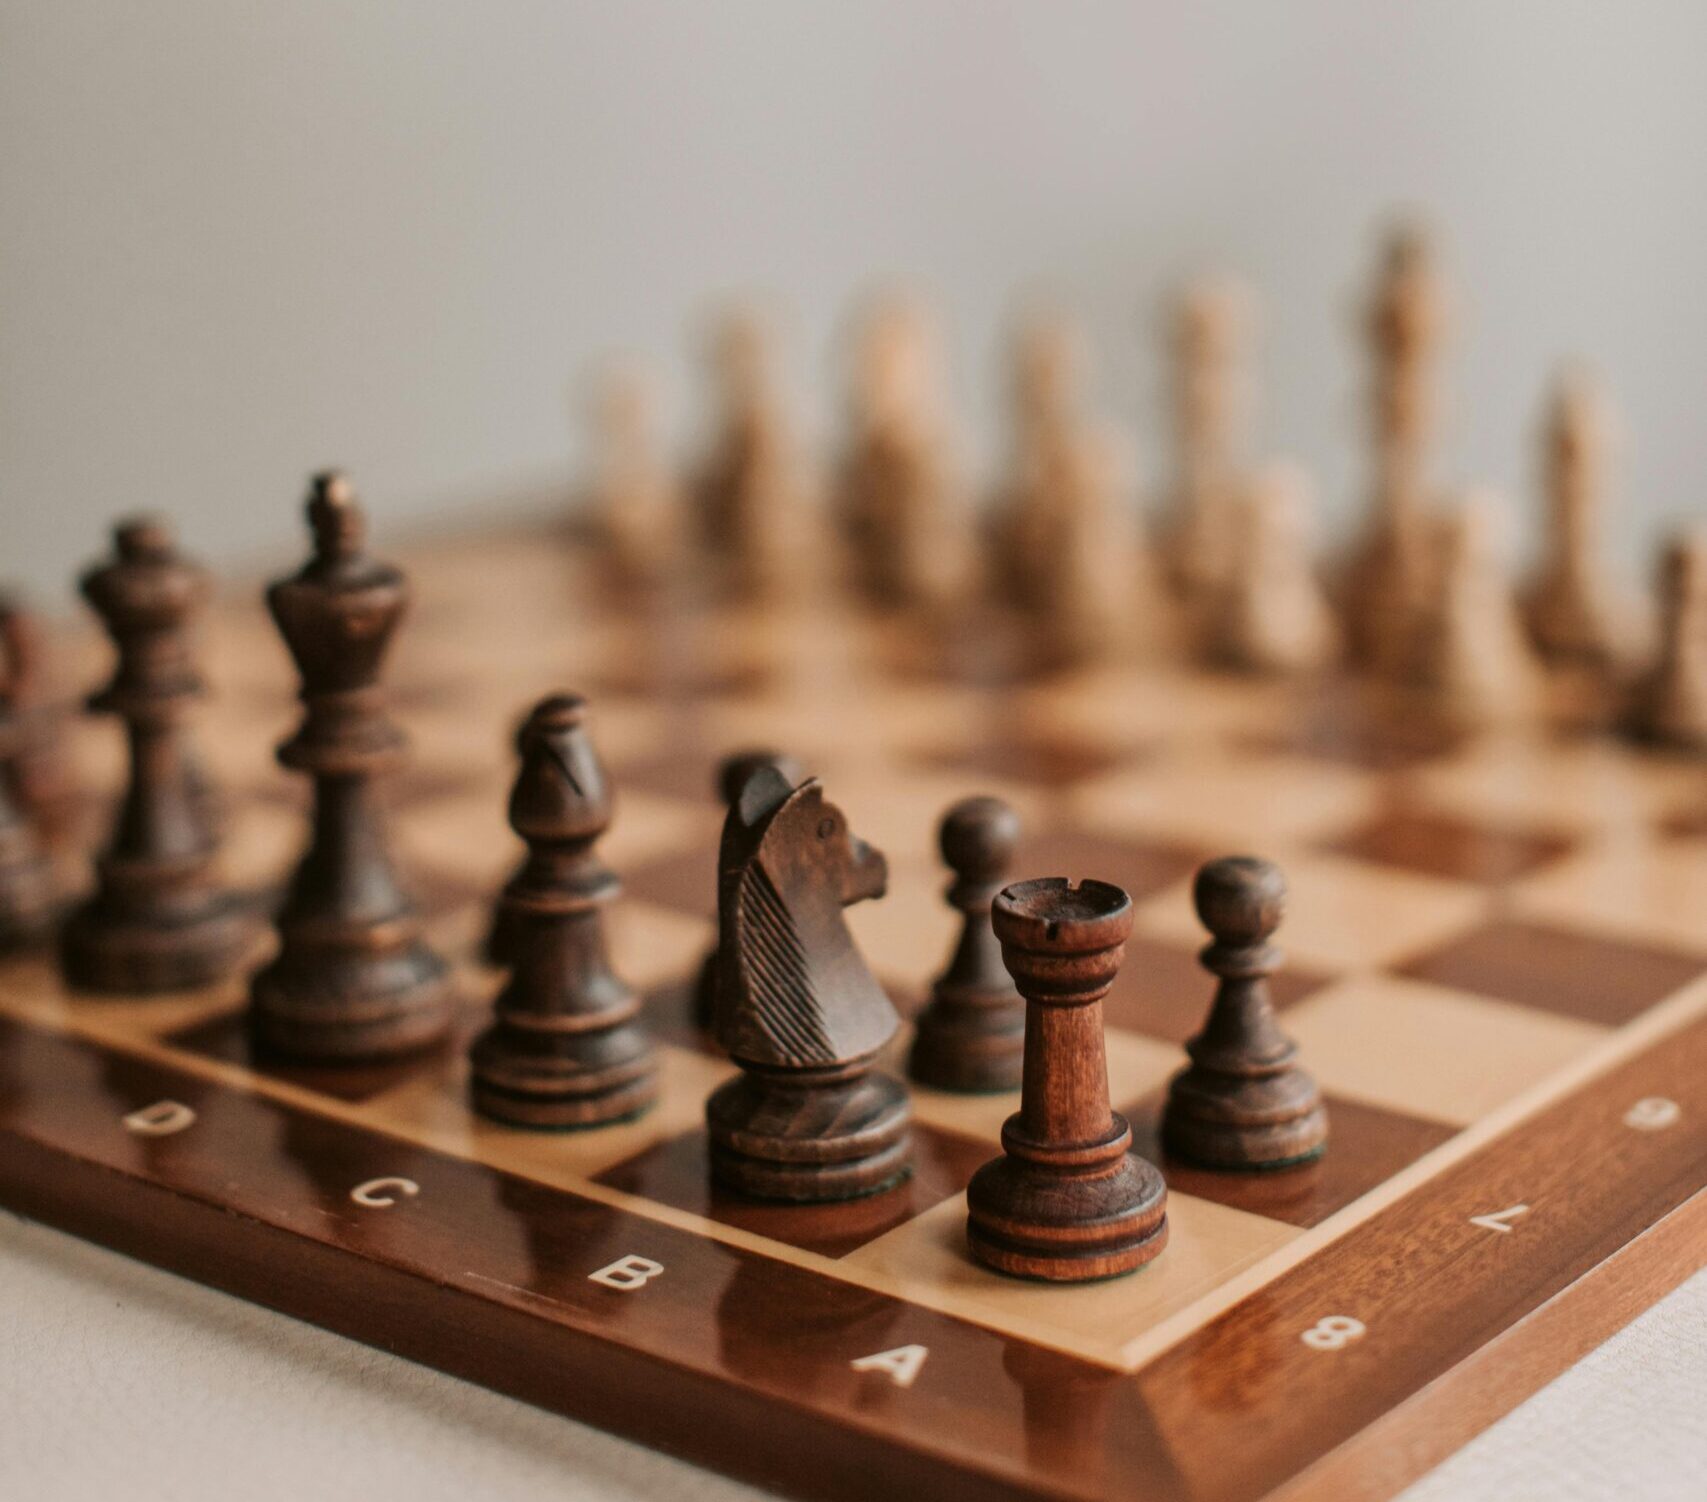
{"x":487,"y":1276}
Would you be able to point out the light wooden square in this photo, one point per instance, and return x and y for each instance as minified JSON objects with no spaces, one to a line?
{"x":31,"y":988}
{"x":1557,"y":784}
{"x":263,"y":843}
{"x":1153,"y":705}
{"x":650,"y":945}
{"x":1626,"y":886}
{"x":1238,"y":801}
{"x":926,"y":1262}
{"x":907,"y":934}
{"x":434,"y":1108}
{"x":898,"y":809}
{"x":1340,"y":914}
{"x":1430,"y":1051}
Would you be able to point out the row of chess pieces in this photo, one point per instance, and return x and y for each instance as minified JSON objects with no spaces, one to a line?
{"x":808,"y":1117}
{"x":1421,"y":603}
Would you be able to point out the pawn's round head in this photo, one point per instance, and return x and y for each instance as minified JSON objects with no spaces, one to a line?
{"x":1240,"y":899}
{"x":734,"y":770}
{"x":978,"y":836}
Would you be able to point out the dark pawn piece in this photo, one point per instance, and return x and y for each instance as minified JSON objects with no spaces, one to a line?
{"x":797,"y":1008}
{"x":567,"y":1048}
{"x":1242,"y":1103}
{"x":971,"y":1035}
{"x":159,"y":919}
{"x":732,"y":774}
{"x":26,"y":889}
{"x":1068,"y":1201}
{"x":352,"y":979}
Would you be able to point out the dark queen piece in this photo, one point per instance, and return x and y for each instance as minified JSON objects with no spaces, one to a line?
{"x":566,"y":1048}
{"x":160,"y":920}
{"x":1243,"y":1103}
{"x":797,"y":1008}
{"x":1068,"y":1201}
{"x":353,"y":979}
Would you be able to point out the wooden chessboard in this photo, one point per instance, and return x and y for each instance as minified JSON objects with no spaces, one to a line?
{"x":1498,"y":970}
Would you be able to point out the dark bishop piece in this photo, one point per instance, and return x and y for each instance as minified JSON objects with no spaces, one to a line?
{"x":567,"y":1048}
{"x":971,"y":1035}
{"x":352,"y":979}
{"x":732,"y":774}
{"x":797,"y":1008}
{"x":1243,"y":1102}
{"x":1068,"y":1200}
{"x":159,"y":919}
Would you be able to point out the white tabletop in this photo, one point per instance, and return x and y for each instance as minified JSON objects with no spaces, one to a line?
{"x":121,"y":1382}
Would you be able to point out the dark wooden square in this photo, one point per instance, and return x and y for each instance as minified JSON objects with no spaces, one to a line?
{"x":1163,"y":992}
{"x":1353,"y":729}
{"x":1038,"y":757}
{"x":676,"y":1172}
{"x":1566,"y":971}
{"x":1366,"y":1146}
{"x":1435,"y":844}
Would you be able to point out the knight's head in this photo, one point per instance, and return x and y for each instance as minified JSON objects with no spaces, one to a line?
{"x":769,"y":811}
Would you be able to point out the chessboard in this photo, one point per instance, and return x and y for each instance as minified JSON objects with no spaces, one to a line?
{"x":1497,"y":969}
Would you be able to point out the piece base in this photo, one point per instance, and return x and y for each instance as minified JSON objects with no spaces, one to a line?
{"x":127,"y":958}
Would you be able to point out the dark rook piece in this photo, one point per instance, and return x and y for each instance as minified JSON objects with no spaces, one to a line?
{"x":159,"y":919}
{"x":1243,"y":1102}
{"x":732,"y":774}
{"x":352,"y":979}
{"x":971,"y":1035}
{"x":567,"y":1048}
{"x":1068,"y":1200}
{"x":797,"y":1009}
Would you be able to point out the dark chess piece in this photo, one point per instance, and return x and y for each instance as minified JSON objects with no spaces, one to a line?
{"x":971,"y":1035}
{"x":26,"y":879}
{"x":159,"y":919}
{"x":353,"y":979}
{"x":567,"y":1048}
{"x":732,"y":774}
{"x":1243,"y":1102}
{"x":797,"y":1008}
{"x":1068,"y":1201}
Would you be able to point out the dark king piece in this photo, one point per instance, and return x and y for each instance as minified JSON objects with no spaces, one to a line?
{"x":353,"y":979}
{"x":798,"y":1009}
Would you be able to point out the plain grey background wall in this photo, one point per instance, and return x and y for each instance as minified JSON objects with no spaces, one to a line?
{"x":239,"y":241}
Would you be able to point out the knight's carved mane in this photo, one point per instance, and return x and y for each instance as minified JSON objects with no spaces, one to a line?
{"x":793,"y":991}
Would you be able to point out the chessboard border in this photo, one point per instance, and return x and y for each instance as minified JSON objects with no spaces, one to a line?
{"x":833,"y":1452}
